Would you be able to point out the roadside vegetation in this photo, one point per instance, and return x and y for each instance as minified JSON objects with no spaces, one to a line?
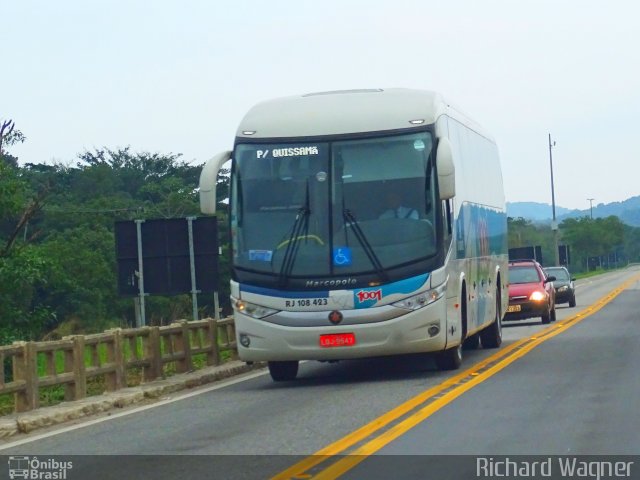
{"x":596,"y":245}
{"x":57,"y":248}
{"x":58,"y":273}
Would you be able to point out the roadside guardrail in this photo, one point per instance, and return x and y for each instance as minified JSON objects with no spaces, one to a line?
{"x":111,"y":355}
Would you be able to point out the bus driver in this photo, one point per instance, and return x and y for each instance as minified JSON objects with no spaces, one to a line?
{"x":397,"y":210}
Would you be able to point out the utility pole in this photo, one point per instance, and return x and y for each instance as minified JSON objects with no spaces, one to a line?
{"x":554,"y":223}
{"x":591,"y":206}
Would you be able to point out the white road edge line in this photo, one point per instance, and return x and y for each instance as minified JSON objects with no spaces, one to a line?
{"x":217,"y":386}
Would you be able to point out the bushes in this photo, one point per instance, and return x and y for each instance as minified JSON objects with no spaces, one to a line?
{"x":57,"y":248}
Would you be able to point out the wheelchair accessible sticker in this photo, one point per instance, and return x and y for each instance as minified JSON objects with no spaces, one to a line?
{"x":260,"y":255}
{"x":342,"y":256}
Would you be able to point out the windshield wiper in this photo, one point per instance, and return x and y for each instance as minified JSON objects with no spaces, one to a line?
{"x":300,"y":229}
{"x":368,"y":249}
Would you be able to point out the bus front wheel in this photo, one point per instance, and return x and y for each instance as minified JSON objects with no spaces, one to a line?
{"x":450,"y":359}
{"x":283,"y":371}
{"x":492,"y":335}
{"x":472,"y":342}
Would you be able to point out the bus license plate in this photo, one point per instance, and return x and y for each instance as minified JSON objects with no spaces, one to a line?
{"x":338,"y":340}
{"x":514,"y":308}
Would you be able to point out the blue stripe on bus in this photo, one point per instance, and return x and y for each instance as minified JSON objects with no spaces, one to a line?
{"x":406,"y":286}
{"x":371,"y":296}
{"x":269,"y":292}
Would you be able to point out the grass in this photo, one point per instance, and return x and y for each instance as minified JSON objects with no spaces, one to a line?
{"x":593,"y":273}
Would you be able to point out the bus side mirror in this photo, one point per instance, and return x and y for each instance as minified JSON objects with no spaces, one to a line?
{"x":208,"y":181}
{"x":446,"y":169}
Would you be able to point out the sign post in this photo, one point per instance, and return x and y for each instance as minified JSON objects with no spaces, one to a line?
{"x":192,"y":266}
{"x":140,"y":273}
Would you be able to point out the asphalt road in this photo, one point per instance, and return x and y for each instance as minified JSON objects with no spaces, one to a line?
{"x":569,"y":392}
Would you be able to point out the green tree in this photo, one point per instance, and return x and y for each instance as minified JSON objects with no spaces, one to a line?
{"x":22,"y":279}
{"x":592,"y":237}
{"x":13,"y":192}
{"x":9,"y":135}
{"x":81,"y":279}
{"x":22,"y":267}
{"x":524,"y":233}
{"x":58,"y":223}
{"x":631,"y":249}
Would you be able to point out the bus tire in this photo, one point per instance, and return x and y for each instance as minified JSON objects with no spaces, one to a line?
{"x":449,"y":359}
{"x":283,"y":371}
{"x":472,"y":342}
{"x":492,"y":335}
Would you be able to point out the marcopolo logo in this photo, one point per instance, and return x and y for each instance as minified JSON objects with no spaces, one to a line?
{"x":336,"y":282}
{"x":364,"y":295}
{"x":38,"y":469}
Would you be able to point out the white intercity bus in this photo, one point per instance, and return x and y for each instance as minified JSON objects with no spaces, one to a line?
{"x":364,"y":223}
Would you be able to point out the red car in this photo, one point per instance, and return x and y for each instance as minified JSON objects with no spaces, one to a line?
{"x":531,"y":292}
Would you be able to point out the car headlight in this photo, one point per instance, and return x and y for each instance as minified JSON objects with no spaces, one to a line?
{"x":537,"y":296}
{"x":253,"y":310}
{"x":563,"y":289}
{"x":422,"y":299}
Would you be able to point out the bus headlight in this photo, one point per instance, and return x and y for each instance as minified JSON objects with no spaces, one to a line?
{"x":253,"y":310}
{"x":422,"y":299}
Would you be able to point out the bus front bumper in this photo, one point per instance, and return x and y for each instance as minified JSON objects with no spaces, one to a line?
{"x":412,"y":332}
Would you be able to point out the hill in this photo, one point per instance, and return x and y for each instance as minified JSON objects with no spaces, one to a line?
{"x":628,"y":211}
{"x":534,"y":211}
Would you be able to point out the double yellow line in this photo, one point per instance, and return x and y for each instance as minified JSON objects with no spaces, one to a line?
{"x":358,"y":445}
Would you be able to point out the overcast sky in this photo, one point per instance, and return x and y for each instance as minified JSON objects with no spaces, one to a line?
{"x":177,"y":76}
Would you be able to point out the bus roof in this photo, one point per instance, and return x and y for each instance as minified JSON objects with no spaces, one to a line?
{"x":346,"y":112}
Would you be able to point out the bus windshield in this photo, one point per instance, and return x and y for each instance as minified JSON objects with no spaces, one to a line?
{"x":323,"y":209}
